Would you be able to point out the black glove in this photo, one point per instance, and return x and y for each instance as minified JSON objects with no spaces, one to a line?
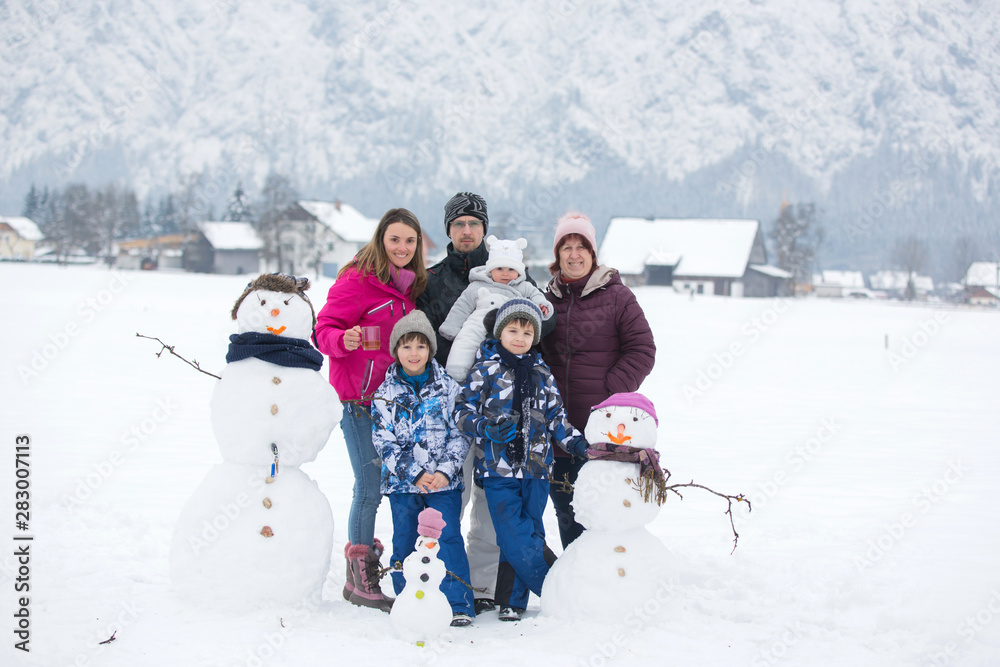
{"x":500,"y":431}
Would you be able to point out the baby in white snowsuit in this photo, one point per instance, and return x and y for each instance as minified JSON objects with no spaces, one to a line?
{"x":503,"y":278}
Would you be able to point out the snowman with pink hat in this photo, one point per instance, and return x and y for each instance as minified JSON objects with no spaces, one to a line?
{"x":421,"y":611}
{"x":615,"y":564}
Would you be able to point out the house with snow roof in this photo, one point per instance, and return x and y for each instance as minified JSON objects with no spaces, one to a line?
{"x":983,"y":274}
{"x":18,"y":236}
{"x":832,"y":283}
{"x":227,"y":247}
{"x":321,"y":236}
{"x":701,"y":256}
{"x":894,"y":284}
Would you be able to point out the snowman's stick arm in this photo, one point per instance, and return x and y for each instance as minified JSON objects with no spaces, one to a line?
{"x":740,"y":498}
{"x":170,"y":348}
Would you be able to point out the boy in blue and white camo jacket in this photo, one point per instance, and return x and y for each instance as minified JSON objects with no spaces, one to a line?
{"x":514,"y":453}
{"x":422,"y":451}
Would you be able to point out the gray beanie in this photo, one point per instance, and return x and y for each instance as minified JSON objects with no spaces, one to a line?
{"x":465,"y":203}
{"x":518,"y":309}
{"x":415,"y":322}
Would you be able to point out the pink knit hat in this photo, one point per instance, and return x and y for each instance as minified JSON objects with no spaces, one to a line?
{"x":629,"y":400}
{"x":430,"y":523}
{"x":575,"y":223}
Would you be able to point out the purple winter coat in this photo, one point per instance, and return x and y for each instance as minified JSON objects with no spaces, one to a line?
{"x":601,"y":344}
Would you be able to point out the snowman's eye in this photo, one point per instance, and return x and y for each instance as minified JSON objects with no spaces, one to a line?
{"x":635,"y":419}
{"x":608,"y":415}
{"x":287,"y":300}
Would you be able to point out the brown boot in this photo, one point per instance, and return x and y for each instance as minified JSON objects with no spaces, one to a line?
{"x":349,"y":581}
{"x":365,"y":566}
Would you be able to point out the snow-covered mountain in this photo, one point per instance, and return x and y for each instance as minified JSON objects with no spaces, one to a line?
{"x":884,"y":113}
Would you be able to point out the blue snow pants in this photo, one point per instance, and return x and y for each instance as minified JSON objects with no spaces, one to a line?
{"x":405,"y":508}
{"x":516,"y":507}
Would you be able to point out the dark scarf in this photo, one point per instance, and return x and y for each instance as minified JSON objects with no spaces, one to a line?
{"x":280,"y":350}
{"x":651,"y":483}
{"x":522,"y":366}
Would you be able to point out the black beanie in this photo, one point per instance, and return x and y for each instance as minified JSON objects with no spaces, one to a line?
{"x":465,"y":203}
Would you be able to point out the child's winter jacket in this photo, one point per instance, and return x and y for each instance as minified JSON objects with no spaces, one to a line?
{"x":415,"y":433}
{"x":487,"y":393}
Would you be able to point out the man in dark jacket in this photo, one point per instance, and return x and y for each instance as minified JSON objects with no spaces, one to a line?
{"x":466,"y":222}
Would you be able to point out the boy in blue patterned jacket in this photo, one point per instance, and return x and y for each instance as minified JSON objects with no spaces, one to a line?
{"x":422,"y":452}
{"x":511,"y":406}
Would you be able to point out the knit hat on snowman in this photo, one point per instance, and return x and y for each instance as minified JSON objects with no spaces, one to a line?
{"x":651,"y":483}
{"x":430,"y":523}
{"x":505,"y":254}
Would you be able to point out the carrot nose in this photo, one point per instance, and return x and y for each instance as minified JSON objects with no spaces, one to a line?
{"x":275,"y":312}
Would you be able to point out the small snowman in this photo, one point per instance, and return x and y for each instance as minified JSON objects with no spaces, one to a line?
{"x":258,"y":528}
{"x":614,"y":565}
{"x":421,"y":611}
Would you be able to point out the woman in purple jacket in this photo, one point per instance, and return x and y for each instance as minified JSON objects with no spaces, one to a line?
{"x":372,"y":293}
{"x":601,"y":344}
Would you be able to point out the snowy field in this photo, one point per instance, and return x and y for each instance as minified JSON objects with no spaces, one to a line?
{"x":866,"y":434}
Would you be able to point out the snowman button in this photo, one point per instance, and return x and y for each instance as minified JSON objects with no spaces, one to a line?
{"x":425,"y":560}
{"x":620,"y":549}
{"x":266,"y":531}
{"x":621,"y":572}
{"x":420,"y":595}
{"x":267,"y":503}
{"x":626,"y":503}
{"x":274,"y":409}
{"x":424,"y":577}
{"x":276,"y":380}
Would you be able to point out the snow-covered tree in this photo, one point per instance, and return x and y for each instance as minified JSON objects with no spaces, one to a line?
{"x":910,"y":254}
{"x":797,"y":236}
{"x":239,"y":206}
{"x":275,"y":198}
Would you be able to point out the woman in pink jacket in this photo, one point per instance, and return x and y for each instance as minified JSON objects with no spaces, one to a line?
{"x":371,"y":294}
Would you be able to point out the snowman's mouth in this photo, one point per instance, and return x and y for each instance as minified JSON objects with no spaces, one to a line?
{"x":278,"y":331}
{"x":618,"y":439}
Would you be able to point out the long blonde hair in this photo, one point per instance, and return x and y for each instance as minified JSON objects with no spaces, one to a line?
{"x":373,"y":258}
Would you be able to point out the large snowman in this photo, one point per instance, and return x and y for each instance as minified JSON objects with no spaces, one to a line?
{"x":258,"y":528}
{"x":616,"y":564}
{"x":421,"y":611}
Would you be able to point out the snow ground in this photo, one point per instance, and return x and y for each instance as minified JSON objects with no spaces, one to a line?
{"x":872,"y":541}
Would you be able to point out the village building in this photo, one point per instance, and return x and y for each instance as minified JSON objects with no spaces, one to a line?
{"x":321,"y":237}
{"x":894,"y":284}
{"x":226,"y":247}
{"x":833,"y":283}
{"x":157,"y":252}
{"x":700,"y":256}
{"x":18,"y":236}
